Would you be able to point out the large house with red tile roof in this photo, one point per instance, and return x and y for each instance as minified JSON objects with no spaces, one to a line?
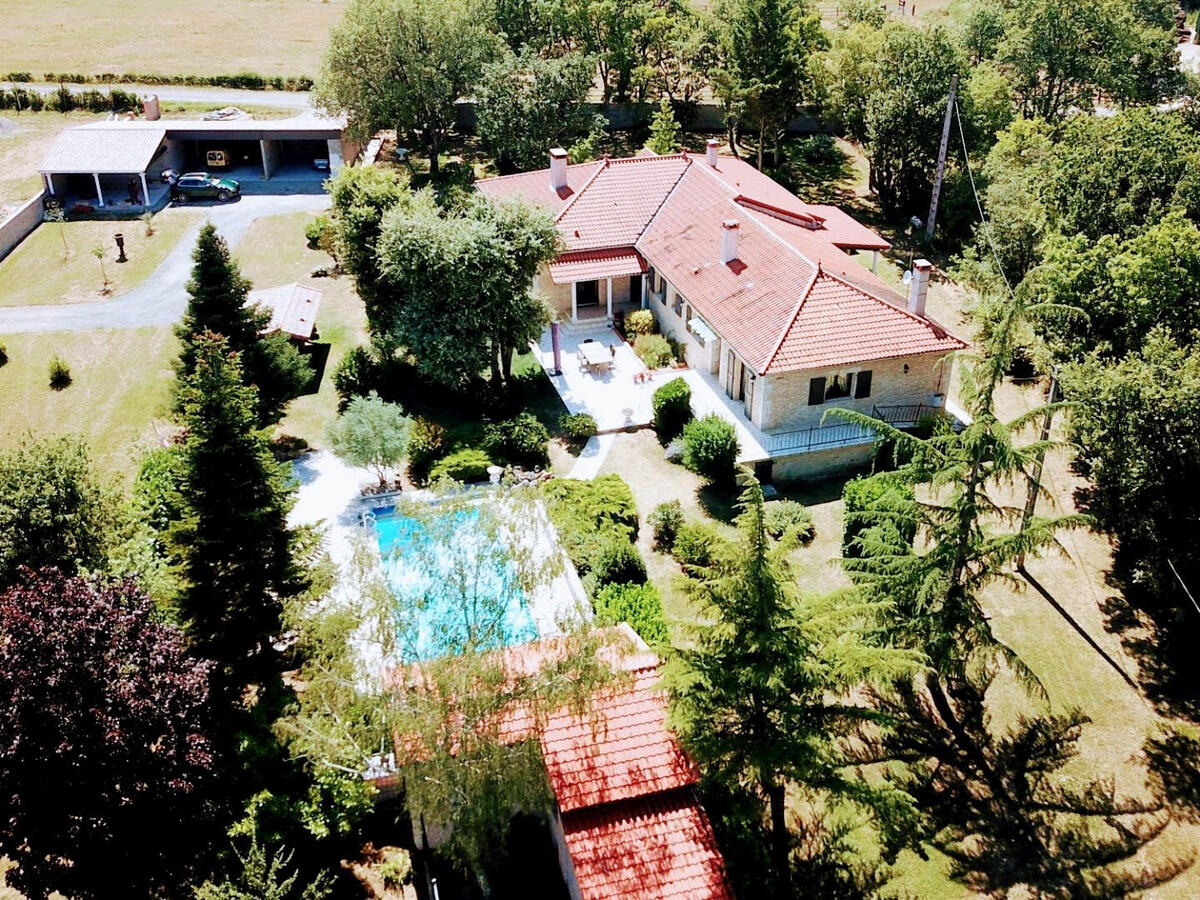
{"x":758,"y":286}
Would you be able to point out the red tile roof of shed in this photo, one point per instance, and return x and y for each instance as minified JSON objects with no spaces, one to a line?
{"x":620,"y":750}
{"x":654,"y":848}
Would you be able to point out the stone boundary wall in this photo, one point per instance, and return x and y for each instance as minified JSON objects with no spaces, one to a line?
{"x":21,"y":223}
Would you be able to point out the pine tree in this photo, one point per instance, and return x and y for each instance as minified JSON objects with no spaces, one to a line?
{"x":664,"y":130}
{"x":217,"y":305}
{"x":233,"y":543}
{"x":761,"y":695}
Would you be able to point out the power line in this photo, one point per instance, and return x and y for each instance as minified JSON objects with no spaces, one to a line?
{"x":987,"y":228}
{"x":1183,"y":585}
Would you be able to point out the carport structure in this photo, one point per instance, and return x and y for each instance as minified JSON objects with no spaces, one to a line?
{"x":99,"y":159}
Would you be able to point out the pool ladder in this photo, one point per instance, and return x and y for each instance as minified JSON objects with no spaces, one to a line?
{"x":367,"y":518}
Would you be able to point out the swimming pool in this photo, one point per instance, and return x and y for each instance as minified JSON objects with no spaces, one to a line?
{"x":454,"y":581}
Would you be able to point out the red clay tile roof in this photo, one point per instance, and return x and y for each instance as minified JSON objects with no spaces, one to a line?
{"x":620,"y":750}
{"x":535,"y":186}
{"x":614,"y":208}
{"x":654,"y":848}
{"x":593,"y":264}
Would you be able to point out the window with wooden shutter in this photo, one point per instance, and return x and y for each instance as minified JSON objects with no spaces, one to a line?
{"x":862,"y":384}
{"x":816,"y":391}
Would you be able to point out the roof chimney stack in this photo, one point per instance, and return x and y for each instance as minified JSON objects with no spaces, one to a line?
{"x":918,"y":286}
{"x":558,"y":168}
{"x":710,"y":151}
{"x":729,"y":240}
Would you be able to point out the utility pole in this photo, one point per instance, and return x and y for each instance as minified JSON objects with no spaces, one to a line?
{"x":941,"y":167}
{"x":1035,"y":480}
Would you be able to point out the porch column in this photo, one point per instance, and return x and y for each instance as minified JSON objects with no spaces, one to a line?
{"x":645,"y":292}
{"x":145,"y":191}
{"x":609,"y":281}
{"x":99,"y":193}
{"x":875,"y":262}
{"x":49,"y":183}
{"x":574,"y":307}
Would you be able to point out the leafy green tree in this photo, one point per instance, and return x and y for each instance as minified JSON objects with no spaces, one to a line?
{"x":527,"y":104}
{"x":759,"y":694}
{"x":53,"y":509}
{"x":265,"y":876}
{"x":233,"y":546}
{"x":107,"y":761}
{"x":460,"y":284}
{"x":664,"y":130}
{"x":611,"y":32}
{"x":217,"y":304}
{"x":767,"y":44}
{"x":404,"y":64}
{"x":1060,"y":54}
{"x":843,"y":77}
{"x":1137,"y":423}
{"x":360,"y":195}
{"x":446,"y":717}
{"x":371,"y":433}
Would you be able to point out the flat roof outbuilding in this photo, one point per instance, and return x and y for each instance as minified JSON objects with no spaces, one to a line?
{"x":82,"y":151}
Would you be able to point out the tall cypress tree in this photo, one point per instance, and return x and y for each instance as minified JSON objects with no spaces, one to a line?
{"x":217,"y":305}
{"x":762,"y":693}
{"x":233,"y":543}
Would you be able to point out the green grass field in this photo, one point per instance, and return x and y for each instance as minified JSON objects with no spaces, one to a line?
{"x":55,"y":264}
{"x":119,"y":388}
{"x":272,"y":37}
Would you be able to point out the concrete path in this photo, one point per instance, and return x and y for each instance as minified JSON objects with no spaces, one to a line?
{"x":162,"y":298}
{"x":592,"y":457}
{"x":298,"y":100}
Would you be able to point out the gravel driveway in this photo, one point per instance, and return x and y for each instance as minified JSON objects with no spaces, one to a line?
{"x":163,"y":297}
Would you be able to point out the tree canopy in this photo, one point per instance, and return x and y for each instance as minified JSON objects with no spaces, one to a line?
{"x":372,"y":433}
{"x":106,"y":757}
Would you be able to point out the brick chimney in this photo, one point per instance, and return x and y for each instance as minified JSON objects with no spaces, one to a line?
{"x":558,"y":168}
{"x":710,"y":151}
{"x":729,"y":240}
{"x":918,"y":287}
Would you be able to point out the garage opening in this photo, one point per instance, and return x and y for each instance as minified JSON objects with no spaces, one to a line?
{"x":240,"y":159}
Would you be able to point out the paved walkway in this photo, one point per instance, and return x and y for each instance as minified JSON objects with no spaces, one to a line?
{"x":592,"y":457}
{"x":162,"y":298}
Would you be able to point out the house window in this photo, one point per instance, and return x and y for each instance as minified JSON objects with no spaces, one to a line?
{"x":824,"y":388}
{"x":678,"y":305}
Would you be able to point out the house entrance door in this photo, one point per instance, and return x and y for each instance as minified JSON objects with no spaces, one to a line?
{"x":733,"y":379}
{"x":747,"y":391}
{"x":587,"y":293}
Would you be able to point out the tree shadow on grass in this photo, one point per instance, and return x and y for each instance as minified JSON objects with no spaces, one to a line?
{"x":318,"y":358}
{"x":816,"y":168}
{"x":720,"y":502}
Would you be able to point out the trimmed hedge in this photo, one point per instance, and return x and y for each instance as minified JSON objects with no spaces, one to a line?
{"x":672,"y":404}
{"x":640,"y":321}
{"x":710,"y":448}
{"x":784,"y":516}
{"x":653,"y":350}
{"x":248,"y":81}
{"x":637,"y":604}
{"x":666,"y":519}
{"x":520,"y":441}
{"x":578,"y":428}
{"x":465,"y":465}
{"x":616,"y":561}
{"x":863,"y":494}
{"x":586,"y":513}
{"x":64,"y":100}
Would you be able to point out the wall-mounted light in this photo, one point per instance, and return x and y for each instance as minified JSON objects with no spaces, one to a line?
{"x":906,"y":368}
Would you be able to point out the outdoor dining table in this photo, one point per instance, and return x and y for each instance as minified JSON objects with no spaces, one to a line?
{"x":596,"y":356}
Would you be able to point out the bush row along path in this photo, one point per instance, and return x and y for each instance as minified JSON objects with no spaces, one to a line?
{"x":298,"y":100}
{"x":163,"y":297}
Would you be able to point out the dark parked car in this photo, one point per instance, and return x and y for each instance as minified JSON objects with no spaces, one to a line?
{"x":202,"y":186}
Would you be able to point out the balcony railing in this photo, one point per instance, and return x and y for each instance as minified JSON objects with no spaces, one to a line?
{"x":846,"y":434}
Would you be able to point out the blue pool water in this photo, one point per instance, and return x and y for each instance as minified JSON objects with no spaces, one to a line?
{"x":454,"y":584}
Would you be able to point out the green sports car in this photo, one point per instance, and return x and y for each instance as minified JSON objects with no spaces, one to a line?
{"x":202,"y":186}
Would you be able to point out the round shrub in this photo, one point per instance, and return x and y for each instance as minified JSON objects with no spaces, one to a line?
{"x":784,"y":516}
{"x":710,"y":448}
{"x":665,"y":521}
{"x":640,"y":321}
{"x":577,"y":428}
{"x":3,"y":353}
{"x":355,"y":375}
{"x":637,"y":604}
{"x":696,"y":545}
{"x":653,"y":350}
{"x":466,"y":465}
{"x":672,"y":404}
{"x":315,"y":230}
{"x":426,"y":445}
{"x":617,"y":561}
{"x":520,"y":441}
{"x":60,"y":373}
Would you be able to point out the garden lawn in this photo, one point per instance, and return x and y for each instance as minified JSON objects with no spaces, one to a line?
{"x":119,"y":391}
{"x":273,"y":252}
{"x":271,"y":37}
{"x":55,"y":264}
{"x":22,"y":150}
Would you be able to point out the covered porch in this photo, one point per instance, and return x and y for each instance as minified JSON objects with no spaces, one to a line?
{"x":602,"y":283}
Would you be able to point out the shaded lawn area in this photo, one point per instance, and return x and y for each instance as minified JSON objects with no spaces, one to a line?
{"x":271,"y":37}
{"x":274,"y":251}
{"x":55,"y":263}
{"x":120,"y":386}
